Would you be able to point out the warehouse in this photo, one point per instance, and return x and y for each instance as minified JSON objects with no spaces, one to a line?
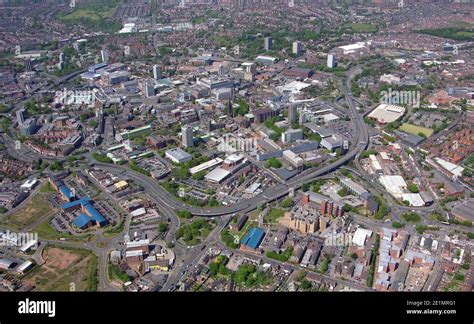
{"x":394,"y":184}
{"x":385,"y":113}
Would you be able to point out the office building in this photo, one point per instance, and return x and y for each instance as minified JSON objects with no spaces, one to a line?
{"x":263,"y":114}
{"x":268,"y":43}
{"x":221,"y":70}
{"x":156,"y":72}
{"x":291,"y":135}
{"x":149,"y":89}
{"x":104,"y":55}
{"x":28,"y":127}
{"x":292,"y":114}
{"x":332,"y":62}
{"x":21,"y":116}
{"x":297,"y":48}
{"x":187,"y":136}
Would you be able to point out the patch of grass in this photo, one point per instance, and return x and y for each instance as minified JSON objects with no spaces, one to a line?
{"x":416,"y":130}
{"x":46,"y":231}
{"x":273,"y":215}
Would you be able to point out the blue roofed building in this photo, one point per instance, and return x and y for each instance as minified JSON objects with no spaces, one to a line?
{"x":82,"y":221}
{"x":252,"y":239}
{"x":96,"y":216}
{"x":66,"y":193}
{"x":75,"y":204}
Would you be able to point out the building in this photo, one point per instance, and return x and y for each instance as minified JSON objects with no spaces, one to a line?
{"x":263,"y":114}
{"x":292,"y":114}
{"x":156,"y":72}
{"x":66,"y":193}
{"x":95,"y":215}
{"x":206,"y":165}
{"x":117,"y":77}
{"x":217,"y":175}
{"x":149,"y":89}
{"x":294,"y":159}
{"x":187,"y":136}
{"x":297,"y":48}
{"x":104,"y":55}
{"x":232,"y":161}
{"x":355,"y":188}
{"x":21,"y":116}
{"x":331,"y":143}
{"x":385,"y":113}
{"x":82,"y":221}
{"x":177,"y":155}
{"x":251,"y":241}
{"x":297,"y":72}
{"x":394,"y":184}
{"x":291,"y":135}
{"x":28,"y":127}
{"x":237,"y":226}
{"x":331,"y":62}
{"x":264,"y":59}
{"x":268,"y":43}
{"x":24,"y":267}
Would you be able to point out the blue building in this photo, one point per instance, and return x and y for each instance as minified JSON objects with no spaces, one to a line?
{"x":253,"y":238}
{"x":96,"y":216}
{"x":76,"y":204}
{"x":82,"y":221}
{"x":67,"y":194}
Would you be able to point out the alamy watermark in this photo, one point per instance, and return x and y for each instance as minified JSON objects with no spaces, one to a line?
{"x":401,"y":97}
{"x":18,"y":239}
{"x":339,"y":239}
{"x":75,"y":97}
{"x":230,"y":142}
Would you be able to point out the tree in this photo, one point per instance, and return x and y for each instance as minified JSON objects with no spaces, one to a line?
{"x":287,"y":203}
{"x":56,"y":166}
{"x":185,"y":214}
{"x":413,"y":188}
{"x":273,"y":163}
{"x":163,"y":227}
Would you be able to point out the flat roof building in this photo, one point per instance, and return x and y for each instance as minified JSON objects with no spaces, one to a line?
{"x":253,"y":238}
{"x":177,"y":155}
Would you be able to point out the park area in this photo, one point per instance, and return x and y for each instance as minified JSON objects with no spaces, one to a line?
{"x":65,"y":269}
{"x":416,"y":130}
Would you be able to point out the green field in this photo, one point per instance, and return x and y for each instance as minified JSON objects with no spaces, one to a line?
{"x":361,"y":28}
{"x":415,"y":130}
{"x":460,"y":31}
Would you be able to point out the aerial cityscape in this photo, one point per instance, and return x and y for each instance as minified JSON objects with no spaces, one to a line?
{"x":236,"y":146}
